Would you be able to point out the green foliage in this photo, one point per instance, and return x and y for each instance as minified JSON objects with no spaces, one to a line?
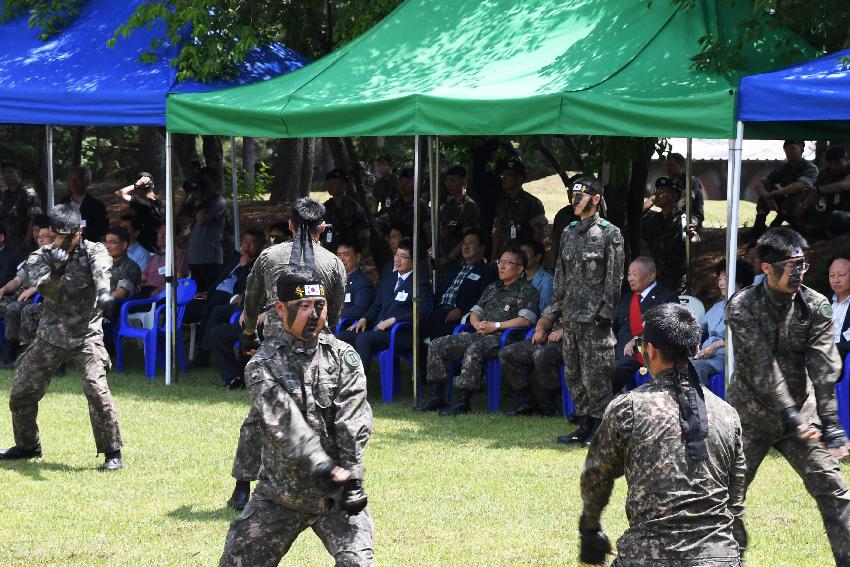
{"x":262,"y":182}
{"x":52,"y":16}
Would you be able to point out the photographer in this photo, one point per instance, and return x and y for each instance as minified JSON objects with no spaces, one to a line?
{"x":207,"y":210}
{"x":146,"y":209}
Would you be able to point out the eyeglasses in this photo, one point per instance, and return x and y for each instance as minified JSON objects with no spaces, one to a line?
{"x":403,"y":256}
{"x":499,"y":262}
{"x":113,"y":241}
{"x":793,"y":266}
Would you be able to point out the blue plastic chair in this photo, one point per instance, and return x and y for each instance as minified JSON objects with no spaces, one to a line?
{"x":152,"y":337}
{"x":842,"y":393}
{"x":717,"y":384}
{"x":389,"y":361}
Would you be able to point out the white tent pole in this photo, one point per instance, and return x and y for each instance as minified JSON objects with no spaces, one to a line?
{"x":417,"y":162}
{"x":688,"y":192}
{"x":433,"y":185}
{"x":235,"y":186}
{"x":49,"y":158}
{"x":169,"y":262}
{"x":733,"y":203}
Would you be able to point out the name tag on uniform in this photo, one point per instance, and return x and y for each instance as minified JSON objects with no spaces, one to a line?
{"x":846,"y":335}
{"x":329,"y":236}
{"x":347,"y":298}
{"x":513,"y":231}
{"x":474,"y":277}
{"x":162,"y":271}
{"x":401,"y":296}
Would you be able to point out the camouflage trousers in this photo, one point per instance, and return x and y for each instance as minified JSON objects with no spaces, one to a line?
{"x":21,"y":320}
{"x":265,"y":531}
{"x":249,"y":450}
{"x":35,"y":368}
{"x":821,"y":476}
{"x":588,"y":352}
{"x":525,"y":364}
{"x":475,"y":350}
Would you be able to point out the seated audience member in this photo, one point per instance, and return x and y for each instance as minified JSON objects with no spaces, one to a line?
{"x":214,"y":306}
{"x":839,"y":281}
{"x":345,"y":219}
{"x":137,"y":253}
{"x":208,"y":212}
{"x":8,"y":259}
{"x":752,"y":257}
{"x":145,"y":208}
{"x":644,"y":294}
{"x":533,"y":369}
{"x":125,"y":274}
{"x":536,"y":274}
{"x":15,"y":305}
{"x":153,"y":276}
{"x":92,"y":210}
{"x":710,"y":359}
{"x":507,"y":303}
{"x":663,"y":235}
{"x":393,"y":304}
{"x":39,"y":223}
{"x":780,"y":190}
{"x":825,"y":208}
{"x":359,"y":291}
{"x":458,"y":215}
{"x":18,"y":204}
{"x":278,"y":232}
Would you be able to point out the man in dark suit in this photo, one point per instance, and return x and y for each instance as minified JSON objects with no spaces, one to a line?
{"x":645,"y":293}
{"x":393,"y":304}
{"x":359,"y":291}
{"x":92,"y":210}
{"x":839,"y":281}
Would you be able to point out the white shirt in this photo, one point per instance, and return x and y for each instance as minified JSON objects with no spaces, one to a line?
{"x":645,"y":292}
{"x":839,"y":312}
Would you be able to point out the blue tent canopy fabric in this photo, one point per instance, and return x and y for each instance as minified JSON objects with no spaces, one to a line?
{"x":75,"y":78}
{"x":812,"y":97}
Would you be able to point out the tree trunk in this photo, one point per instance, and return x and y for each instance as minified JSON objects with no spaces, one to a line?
{"x":634,"y":204}
{"x":214,"y":157}
{"x":249,"y":160}
{"x":308,"y":165}
{"x":288,"y":169}
{"x":77,"y":135}
{"x":184,"y":152}
{"x":152,"y":153}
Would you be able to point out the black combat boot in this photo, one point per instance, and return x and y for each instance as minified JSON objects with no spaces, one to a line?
{"x":112,"y":461}
{"x":462,"y":405}
{"x":436,"y":398}
{"x":525,"y":404}
{"x":241,"y":493}
{"x":12,"y":351}
{"x":550,"y":407}
{"x":594,"y":427}
{"x":15,"y":453}
{"x":580,"y":434}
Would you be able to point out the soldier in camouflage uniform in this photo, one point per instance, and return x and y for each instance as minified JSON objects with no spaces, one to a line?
{"x":508,"y":303}
{"x":786,"y":367}
{"x":309,"y":392}
{"x":519,"y":215}
{"x":588,"y":279}
{"x":664,"y":234}
{"x":781,"y":190}
{"x":125,"y":274}
{"x":458,"y":215}
{"x":18,"y":205}
{"x":534,"y":372}
{"x":75,"y":288}
{"x":305,"y":223}
{"x":680,"y":448}
{"x":344,"y":217}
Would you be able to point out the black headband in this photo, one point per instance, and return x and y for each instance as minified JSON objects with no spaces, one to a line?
{"x":293,"y":291}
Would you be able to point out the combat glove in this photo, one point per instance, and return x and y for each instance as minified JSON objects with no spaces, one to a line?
{"x":792,"y":418}
{"x":601,"y":321}
{"x":594,"y":545}
{"x":57,"y":259}
{"x":833,"y":434}
{"x":248,"y":343}
{"x":321,"y":475}
{"x":354,"y":498}
{"x":105,"y":301}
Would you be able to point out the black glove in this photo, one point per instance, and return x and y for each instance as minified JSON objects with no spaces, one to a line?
{"x":594,"y":546}
{"x":601,"y":321}
{"x":248,"y":343}
{"x":833,"y":434}
{"x":321,"y":475}
{"x":353,"y":497}
{"x":792,"y":418}
{"x":105,"y":301}
{"x":57,"y":259}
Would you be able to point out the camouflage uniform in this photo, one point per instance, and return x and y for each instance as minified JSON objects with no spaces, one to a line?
{"x":261,"y":287}
{"x":29,"y":273}
{"x":516,"y":218}
{"x":17,"y":206}
{"x":680,"y":512}
{"x":456,"y":217}
{"x":125,"y":274}
{"x":784,"y":175}
{"x":311,"y":402}
{"x":70,"y":329}
{"x":385,"y":192}
{"x":785,"y":356}
{"x":525,"y":363}
{"x":348,"y":221}
{"x":498,"y":303}
{"x":664,"y":243}
{"x":587,"y":285}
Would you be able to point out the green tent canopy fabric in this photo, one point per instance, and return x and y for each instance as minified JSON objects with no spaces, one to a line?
{"x":499,"y":67}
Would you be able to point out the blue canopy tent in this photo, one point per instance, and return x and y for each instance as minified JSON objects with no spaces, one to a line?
{"x":75,"y":78}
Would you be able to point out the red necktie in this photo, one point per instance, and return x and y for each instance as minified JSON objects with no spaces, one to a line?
{"x":635,"y":322}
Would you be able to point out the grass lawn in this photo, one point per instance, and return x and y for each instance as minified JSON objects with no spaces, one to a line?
{"x":474,"y":490}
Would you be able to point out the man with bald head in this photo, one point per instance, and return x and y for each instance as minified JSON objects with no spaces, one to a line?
{"x":839,"y":281}
{"x":644,"y":294}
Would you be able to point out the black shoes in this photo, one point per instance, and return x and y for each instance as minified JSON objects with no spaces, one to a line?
{"x":580,"y":434}
{"x":525,"y":404}
{"x":594,"y":427}
{"x":16,"y":453}
{"x":112,"y":461}
{"x":435,"y":400}
{"x":241,"y":493}
{"x":462,"y":405}
{"x":237,"y":383}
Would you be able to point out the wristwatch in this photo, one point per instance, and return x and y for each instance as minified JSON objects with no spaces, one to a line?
{"x":498,"y":324}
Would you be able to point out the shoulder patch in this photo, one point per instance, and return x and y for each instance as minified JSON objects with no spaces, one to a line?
{"x":574,"y":223}
{"x":604,"y":223}
{"x":826,"y":309}
{"x":352,"y":358}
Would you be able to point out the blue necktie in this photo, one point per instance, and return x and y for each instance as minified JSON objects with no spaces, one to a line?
{"x":398,"y":284}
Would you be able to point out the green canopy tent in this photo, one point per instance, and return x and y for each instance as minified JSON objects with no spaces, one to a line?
{"x":467,"y":67}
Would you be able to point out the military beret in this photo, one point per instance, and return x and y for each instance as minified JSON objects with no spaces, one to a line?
{"x":800,"y":143}
{"x":336,"y":174}
{"x":406,"y":173}
{"x":513,"y":164}
{"x":835,"y":153}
